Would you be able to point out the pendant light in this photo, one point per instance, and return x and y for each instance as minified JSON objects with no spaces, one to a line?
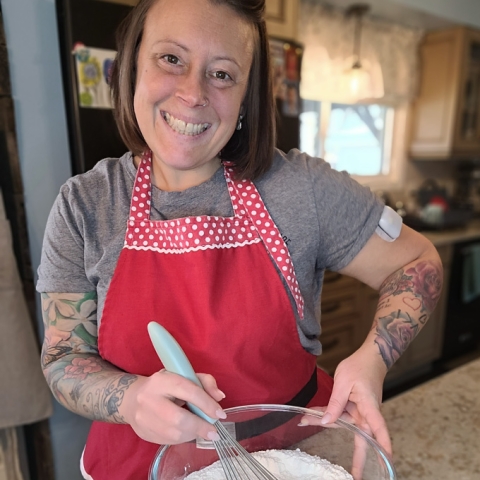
{"x":357,"y":79}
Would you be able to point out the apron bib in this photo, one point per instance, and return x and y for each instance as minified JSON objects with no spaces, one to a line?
{"x":215,"y":283}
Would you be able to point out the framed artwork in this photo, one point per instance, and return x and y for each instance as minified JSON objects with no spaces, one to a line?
{"x":93,"y":69}
{"x":281,"y":17}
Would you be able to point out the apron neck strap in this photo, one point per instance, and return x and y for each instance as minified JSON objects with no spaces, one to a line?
{"x":246,"y":200}
{"x":142,"y":190}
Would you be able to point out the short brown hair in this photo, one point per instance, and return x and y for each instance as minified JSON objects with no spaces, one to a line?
{"x":251,"y":148}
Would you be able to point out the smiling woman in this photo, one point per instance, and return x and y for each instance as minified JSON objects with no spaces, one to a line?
{"x":207,"y":229}
{"x":190,"y":78}
{"x":236,"y":73}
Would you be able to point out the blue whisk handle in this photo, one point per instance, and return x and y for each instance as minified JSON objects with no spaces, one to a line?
{"x":174,"y":360}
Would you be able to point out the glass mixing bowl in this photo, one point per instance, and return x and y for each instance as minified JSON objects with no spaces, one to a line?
{"x":264,"y":427}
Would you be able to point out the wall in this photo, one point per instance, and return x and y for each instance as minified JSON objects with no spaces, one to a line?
{"x":461,"y":11}
{"x":31,"y":33}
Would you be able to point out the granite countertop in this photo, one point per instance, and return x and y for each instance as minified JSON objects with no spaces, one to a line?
{"x":435,"y":428}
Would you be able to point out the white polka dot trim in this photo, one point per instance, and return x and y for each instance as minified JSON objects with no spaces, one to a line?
{"x":180,"y":235}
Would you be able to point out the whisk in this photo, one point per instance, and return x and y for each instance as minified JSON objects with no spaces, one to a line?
{"x":236,"y":462}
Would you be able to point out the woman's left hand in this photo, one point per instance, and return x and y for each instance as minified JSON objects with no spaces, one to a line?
{"x":357,"y":389}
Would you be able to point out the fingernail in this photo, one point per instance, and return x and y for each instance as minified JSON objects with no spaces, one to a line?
{"x":223,"y":395}
{"x":221,"y":414}
{"x":302,"y":423}
{"x":213,"y":436}
{"x":325,"y":419}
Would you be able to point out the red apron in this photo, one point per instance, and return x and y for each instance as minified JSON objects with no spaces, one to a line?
{"x":211,"y":282}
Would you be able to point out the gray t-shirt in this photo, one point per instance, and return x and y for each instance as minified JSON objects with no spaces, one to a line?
{"x":324,"y":216}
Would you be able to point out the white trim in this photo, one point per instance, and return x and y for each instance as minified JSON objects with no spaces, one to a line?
{"x":85,"y":475}
{"x":179,"y":251}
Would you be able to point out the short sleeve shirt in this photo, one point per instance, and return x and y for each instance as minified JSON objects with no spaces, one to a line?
{"x":325,"y":218}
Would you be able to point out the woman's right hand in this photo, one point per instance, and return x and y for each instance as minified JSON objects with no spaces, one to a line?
{"x":153,"y":406}
{"x":88,"y":385}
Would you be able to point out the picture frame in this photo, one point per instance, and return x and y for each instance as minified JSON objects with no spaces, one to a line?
{"x":281,"y":17}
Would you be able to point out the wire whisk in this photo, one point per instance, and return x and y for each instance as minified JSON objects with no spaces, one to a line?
{"x":236,"y":462}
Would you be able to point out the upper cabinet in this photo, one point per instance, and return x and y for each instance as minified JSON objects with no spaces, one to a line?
{"x":446,"y":114}
{"x":282,"y":17}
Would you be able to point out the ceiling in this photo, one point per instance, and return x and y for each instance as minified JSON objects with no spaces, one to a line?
{"x":424,"y":14}
{"x":394,"y":12}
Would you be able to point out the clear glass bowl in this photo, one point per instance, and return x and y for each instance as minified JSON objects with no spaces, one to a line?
{"x":264,"y":427}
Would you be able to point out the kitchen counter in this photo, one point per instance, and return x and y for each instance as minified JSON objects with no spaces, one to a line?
{"x":446,"y":237}
{"x":435,"y":427}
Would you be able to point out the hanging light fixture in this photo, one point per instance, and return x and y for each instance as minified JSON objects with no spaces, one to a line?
{"x":357,"y":82}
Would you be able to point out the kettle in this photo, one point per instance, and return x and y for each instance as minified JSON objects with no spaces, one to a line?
{"x":430,"y":190}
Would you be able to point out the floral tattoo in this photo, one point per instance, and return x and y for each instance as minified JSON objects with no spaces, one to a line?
{"x":420,"y":287}
{"x":78,"y":377}
{"x":423,"y":280}
{"x":394,"y":334}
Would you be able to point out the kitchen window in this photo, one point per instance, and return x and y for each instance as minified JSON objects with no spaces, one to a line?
{"x":352,"y":137}
{"x":367,"y":137}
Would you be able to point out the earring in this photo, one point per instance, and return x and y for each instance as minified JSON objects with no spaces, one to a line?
{"x":239,"y":124}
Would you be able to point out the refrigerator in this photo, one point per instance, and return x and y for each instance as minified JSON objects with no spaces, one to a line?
{"x":87,"y":47}
{"x":86,"y":31}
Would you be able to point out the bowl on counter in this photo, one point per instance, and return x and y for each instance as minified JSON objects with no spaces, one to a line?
{"x":266,"y":427}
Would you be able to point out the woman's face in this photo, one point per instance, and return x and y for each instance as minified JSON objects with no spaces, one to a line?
{"x":193,"y":66}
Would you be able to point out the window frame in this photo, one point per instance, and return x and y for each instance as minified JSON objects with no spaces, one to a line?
{"x":395,"y":158}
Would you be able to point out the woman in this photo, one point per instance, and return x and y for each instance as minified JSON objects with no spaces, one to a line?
{"x":206,"y":229}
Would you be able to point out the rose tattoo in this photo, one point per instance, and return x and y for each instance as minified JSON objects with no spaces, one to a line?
{"x":394,"y":334}
{"x":424,"y":280}
{"x":427,"y":283}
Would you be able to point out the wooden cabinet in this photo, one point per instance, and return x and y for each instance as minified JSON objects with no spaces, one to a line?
{"x":446,"y":114}
{"x":341,"y":320}
{"x":282,"y":17}
{"x":348,"y":309}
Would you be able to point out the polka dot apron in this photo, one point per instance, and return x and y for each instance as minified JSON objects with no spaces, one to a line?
{"x":225,"y":288}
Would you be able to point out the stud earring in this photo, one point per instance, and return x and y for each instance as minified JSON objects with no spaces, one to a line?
{"x":239,"y":124}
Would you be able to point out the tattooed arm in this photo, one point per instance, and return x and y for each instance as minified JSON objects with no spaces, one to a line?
{"x":79,"y":379}
{"x":88,"y":385}
{"x":414,"y":292}
{"x":408,"y":275}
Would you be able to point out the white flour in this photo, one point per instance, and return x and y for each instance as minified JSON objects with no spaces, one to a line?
{"x":285,"y":465}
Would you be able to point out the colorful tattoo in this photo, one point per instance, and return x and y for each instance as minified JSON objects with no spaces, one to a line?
{"x":78,"y":377}
{"x":394,"y":334}
{"x":420,"y":287}
{"x":424,"y":280}
{"x":70,"y":321}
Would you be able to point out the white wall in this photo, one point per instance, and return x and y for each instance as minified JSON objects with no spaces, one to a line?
{"x":31,"y":33}
{"x":461,"y":11}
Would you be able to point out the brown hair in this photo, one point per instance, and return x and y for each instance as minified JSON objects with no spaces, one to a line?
{"x":251,"y":148}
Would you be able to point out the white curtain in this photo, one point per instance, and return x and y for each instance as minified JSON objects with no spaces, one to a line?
{"x":388,"y":50}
